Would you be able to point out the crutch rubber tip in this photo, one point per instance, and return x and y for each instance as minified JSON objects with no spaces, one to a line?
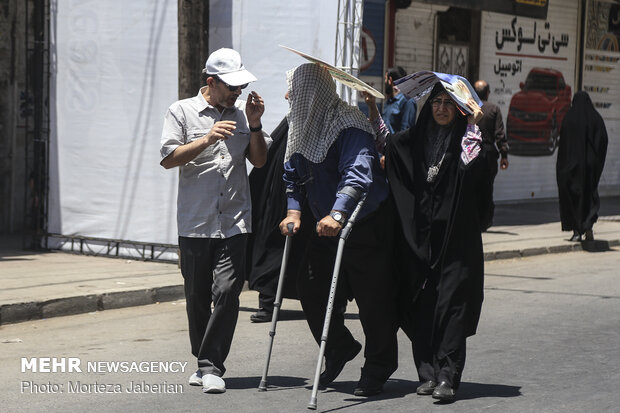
{"x":312,"y":404}
{"x":262,"y":386}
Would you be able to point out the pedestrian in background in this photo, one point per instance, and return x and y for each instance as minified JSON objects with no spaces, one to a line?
{"x":581,"y":158}
{"x":330,"y":163}
{"x":398,"y":110}
{"x":438,"y":181}
{"x":209,"y":137}
{"x":494,"y":143}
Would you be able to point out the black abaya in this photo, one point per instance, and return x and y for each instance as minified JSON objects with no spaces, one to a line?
{"x":442,"y":258}
{"x":581,"y":157}
{"x":266,"y":246}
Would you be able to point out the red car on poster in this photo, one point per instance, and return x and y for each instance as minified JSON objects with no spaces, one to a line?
{"x":536,"y":113}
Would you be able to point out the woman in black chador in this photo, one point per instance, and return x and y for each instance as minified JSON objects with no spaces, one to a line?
{"x":581,"y":157}
{"x":440,"y":186}
{"x":266,"y":243}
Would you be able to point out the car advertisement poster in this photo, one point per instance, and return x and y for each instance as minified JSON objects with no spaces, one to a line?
{"x":601,"y":79}
{"x":530,"y":67}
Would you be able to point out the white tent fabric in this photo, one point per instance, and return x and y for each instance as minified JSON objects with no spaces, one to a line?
{"x":255,"y":30}
{"x":114,"y":73}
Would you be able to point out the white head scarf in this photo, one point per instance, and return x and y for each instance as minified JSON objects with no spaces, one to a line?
{"x":317,"y":115}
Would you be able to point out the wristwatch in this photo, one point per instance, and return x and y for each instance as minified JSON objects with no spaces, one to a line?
{"x":337,"y":216}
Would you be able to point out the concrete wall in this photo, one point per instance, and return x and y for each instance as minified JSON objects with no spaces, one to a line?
{"x":414,"y":36}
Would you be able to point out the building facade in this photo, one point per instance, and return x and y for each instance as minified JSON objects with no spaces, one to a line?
{"x":534,"y":58}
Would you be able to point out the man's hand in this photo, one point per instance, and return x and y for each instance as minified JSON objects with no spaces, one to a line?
{"x":254,"y":109}
{"x":503,"y":163}
{"x":292,"y":217}
{"x":328,"y":227}
{"x":257,"y":150}
{"x":183,"y":154}
{"x":221,"y":130}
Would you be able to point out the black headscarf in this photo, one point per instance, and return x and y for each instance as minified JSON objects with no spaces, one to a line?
{"x":581,"y":157}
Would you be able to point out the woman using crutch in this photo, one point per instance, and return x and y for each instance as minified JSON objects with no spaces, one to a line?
{"x":331,"y":162}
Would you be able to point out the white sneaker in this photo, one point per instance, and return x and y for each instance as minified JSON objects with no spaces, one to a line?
{"x":196,"y":378}
{"x":213,"y":384}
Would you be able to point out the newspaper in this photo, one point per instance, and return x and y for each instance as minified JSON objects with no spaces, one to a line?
{"x":340,"y":75}
{"x":418,"y":84}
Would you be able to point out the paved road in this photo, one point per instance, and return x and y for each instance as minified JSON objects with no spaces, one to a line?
{"x":548,"y":341}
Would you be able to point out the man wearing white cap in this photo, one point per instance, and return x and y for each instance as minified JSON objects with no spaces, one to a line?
{"x":209,"y":137}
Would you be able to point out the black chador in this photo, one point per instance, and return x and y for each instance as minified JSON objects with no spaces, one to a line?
{"x":581,"y":157}
{"x":441,"y":257}
{"x":266,"y":242}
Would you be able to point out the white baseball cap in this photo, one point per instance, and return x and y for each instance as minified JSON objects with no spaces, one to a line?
{"x":226,"y":64}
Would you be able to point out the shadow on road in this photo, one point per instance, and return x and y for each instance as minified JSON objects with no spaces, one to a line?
{"x":274,"y":383}
{"x":597,"y":245}
{"x":478,"y":390}
{"x":394,"y":389}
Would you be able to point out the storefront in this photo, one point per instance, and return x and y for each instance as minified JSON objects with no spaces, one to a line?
{"x":535,"y":54}
{"x":601,"y":79}
{"x":530,"y":67}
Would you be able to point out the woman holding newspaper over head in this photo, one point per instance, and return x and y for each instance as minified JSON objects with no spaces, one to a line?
{"x":438,"y":185}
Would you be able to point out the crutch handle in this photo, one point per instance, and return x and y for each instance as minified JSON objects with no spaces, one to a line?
{"x":344,"y":233}
{"x":290,"y":227}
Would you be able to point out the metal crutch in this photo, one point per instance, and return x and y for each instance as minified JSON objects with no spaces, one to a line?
{"x":276,"y":305}
{"x":344,"y":234}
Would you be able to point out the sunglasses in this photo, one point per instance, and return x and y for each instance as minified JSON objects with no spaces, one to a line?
{"x":448,"y":103}
{"x":231,"y":88}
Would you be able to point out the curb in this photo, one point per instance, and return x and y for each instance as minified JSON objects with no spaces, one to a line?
{"x":19,"y":312}
{"x":591,"y":246}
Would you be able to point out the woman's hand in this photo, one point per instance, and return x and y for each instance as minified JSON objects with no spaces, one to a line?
{"x":371,"y":101}
{"x":477,"y":112}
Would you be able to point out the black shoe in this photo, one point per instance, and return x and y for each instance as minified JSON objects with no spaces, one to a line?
{"x":444,"y":392}
{"x":576,"y":236}
{"x":261,"y":316}
{"x":426,"y":388}
{"x":333,"y":366}
{"x":368,"y":386}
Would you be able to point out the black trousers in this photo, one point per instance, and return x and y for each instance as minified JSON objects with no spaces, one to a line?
{"x":491,"y":157}
{"x":436,"y":356}
{"x":365,"y":274}
{"x":213,"y":271}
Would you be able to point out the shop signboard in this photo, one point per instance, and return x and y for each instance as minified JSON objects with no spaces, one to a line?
{"x":530,"y":66}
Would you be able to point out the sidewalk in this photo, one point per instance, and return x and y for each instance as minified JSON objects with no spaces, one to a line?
{"x":42,"y":285}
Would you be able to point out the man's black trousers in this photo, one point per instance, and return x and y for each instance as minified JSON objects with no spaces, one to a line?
{"x":366,"y":275}
{"x":213,"y":271}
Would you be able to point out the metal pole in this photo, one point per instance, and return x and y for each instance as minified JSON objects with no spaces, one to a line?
{"x":276,"y":306}
{"x":344,"y":234}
